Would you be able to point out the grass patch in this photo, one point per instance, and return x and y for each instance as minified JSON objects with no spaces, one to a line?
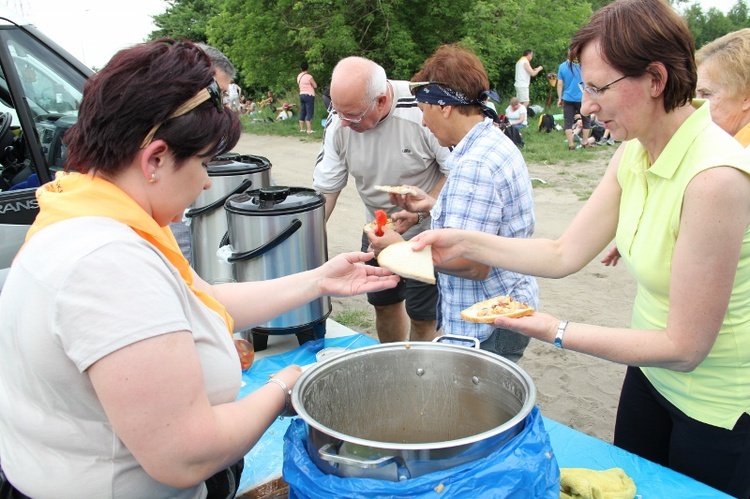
{"x":263,"y":122}
{"x":540,"y":147}
{"x":584,"y":195}
{"x":540,"y":184}
{"x":552,"y":148}
{"x":355,"y":319}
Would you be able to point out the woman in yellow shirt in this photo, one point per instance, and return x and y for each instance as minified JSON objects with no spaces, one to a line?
{"x":676,"y":198}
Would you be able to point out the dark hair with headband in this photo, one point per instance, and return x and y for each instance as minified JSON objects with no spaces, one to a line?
{"x":140,"y":88}
{"x":459,"y":69}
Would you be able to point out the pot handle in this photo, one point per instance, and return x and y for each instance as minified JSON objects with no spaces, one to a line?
{"x":454,"y":337}
{"x":195,"y":212}
{"x":328,"y":453}
{"x":265,"y":248}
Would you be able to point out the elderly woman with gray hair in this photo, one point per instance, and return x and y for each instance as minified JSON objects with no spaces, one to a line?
{"x":724,"y":80}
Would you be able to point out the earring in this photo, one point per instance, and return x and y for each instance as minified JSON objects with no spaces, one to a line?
{"x":152,"y":180}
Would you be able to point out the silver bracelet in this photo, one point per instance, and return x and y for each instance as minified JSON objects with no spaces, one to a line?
{"x":560,"y":333}
{"x":288,"y":411}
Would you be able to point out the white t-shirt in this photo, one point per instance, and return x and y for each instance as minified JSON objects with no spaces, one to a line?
{"x":399,"y":150}
{"x":97,"y":287}
{"x":516,"y":115}
{"x":523,"y":78}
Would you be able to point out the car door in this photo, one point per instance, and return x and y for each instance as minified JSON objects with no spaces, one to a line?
{"x":41,"y":87}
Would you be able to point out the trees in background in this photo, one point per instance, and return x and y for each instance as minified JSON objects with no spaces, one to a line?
{"x":268,"y":39}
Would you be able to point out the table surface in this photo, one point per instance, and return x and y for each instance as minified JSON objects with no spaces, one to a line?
{"x":572,"y":448}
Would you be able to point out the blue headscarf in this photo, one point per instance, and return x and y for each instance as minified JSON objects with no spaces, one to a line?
{"x":442,"y":95}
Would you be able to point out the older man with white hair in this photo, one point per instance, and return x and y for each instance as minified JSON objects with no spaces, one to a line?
{"x":375,"y":134}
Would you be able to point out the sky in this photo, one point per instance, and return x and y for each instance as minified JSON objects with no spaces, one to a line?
{"x":93,"y":30}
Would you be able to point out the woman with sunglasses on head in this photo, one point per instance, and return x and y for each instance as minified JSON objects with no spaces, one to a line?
{"x":120,"y":378}
{"x":676,"y":198}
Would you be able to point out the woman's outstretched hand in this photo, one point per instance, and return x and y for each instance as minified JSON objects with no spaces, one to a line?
{"x":347,"y":275}
{"x":446,"y":244}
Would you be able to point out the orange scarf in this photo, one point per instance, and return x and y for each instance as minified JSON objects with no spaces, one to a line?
{"x":743,"y":136}
{"x":73,"y":195}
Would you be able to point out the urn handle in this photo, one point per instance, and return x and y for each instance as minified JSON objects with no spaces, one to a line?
{"x":194,"y":212}
{"x":265,"y":248}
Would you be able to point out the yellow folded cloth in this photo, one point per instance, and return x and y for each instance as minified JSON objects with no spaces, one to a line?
{"x":582,"y":483}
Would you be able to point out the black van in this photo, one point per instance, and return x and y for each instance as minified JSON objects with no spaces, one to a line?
{"x":41,"y":86}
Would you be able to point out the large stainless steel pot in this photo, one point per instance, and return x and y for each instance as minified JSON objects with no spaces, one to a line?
{"x":230,"y":174}
{"x":400,"y":410}
{"x":277,"y":231}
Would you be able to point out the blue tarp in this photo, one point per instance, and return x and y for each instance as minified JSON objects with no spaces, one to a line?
{"x":524,"y":467}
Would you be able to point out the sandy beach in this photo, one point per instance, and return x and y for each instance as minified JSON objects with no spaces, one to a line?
{"x":577,"y":390}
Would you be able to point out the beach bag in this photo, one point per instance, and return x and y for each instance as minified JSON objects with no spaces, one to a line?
{"x":513,"y":134}
{"x":546,"y":123}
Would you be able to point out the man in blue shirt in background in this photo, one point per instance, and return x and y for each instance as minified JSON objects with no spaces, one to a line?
{"x":569,"y":96}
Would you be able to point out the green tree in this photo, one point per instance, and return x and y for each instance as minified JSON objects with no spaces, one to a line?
{"x":266,"y":40}
{"x":709,"y":25}
{"x":184,"y":18}
{"x":500,"y":32}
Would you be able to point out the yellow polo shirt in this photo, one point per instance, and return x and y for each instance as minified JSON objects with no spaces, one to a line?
{"x":743,"y":136}
{"x":717,"y":392}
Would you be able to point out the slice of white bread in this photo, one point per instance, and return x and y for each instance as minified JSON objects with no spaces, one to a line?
{"x":400,"y":259}
{"x":486,"y":311}
{"x":396,"y":189}
{"x":372,"y":225}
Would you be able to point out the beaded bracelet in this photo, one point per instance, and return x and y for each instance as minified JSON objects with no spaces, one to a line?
{"x":288,"y":410}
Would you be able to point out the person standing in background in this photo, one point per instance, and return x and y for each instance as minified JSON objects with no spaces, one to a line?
{"x":307,"y":88}
{"x":224,"y":73}
{"x":234,"y":92}
{"x":569,"y":96}
{"x":524,"y":72}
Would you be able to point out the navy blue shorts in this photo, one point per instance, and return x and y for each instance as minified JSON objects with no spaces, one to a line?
{"x":570,"y":109}
{"x":306,"y":107}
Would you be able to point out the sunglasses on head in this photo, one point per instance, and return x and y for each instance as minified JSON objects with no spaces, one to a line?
{"x":415,"y":86}
{"x":212,"y":92}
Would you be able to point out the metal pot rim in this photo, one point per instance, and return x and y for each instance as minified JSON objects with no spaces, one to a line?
{"x":308,"y":376}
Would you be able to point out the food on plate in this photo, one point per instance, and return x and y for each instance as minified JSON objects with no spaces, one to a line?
{"x":400,"y":259}
{"x":486,"y":311}
{"x":374,"y":224}
{"x":380,"y":220}
{"x":396,"y":189}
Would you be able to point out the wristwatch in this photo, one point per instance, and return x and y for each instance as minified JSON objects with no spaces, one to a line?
{"x":420,"y":217}
{"x":560,"y":333}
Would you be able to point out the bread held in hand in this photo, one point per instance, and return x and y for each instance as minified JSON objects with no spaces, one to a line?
{"x":400,"y":259}
{"x":486,"y":311}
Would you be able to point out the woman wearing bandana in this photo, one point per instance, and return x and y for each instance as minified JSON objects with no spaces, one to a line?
{"x":488,"y":189}
{"x":120,"y":378}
